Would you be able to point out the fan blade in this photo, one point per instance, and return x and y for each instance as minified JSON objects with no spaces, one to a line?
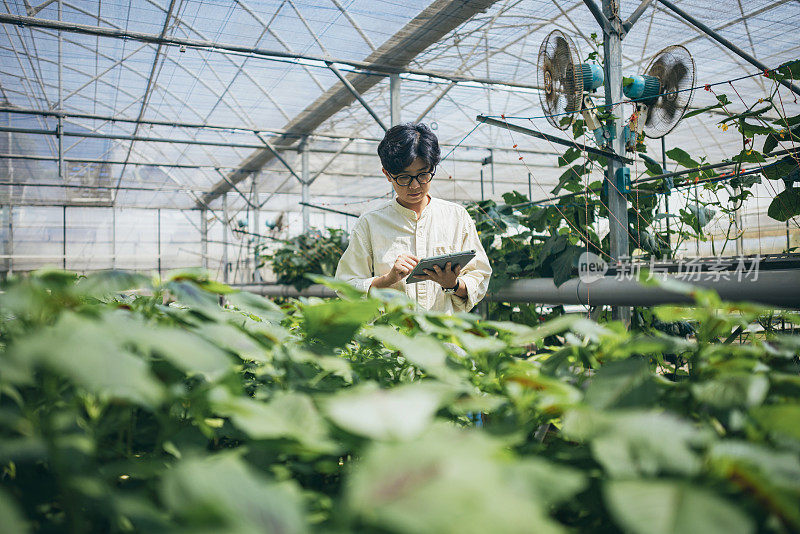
{"x":669,"y":108}
{"x":562,"y":53}
{"x":649,"y":119}
{"x":658,"y":68}
{"x":676,"y":74}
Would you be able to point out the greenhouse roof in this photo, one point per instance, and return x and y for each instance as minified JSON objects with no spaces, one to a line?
{"x":169,"y":103}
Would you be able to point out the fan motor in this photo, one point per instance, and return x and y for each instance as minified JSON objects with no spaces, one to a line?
{"x":643,"y":87}
{"x":592,"y":75}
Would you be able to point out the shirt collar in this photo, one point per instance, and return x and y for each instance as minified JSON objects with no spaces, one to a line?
{"x":411,"y":214}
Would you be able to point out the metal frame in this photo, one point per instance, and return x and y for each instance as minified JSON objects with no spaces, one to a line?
{"x":471,"y":59}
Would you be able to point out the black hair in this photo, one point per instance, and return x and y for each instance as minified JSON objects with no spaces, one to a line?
{"x":404,"y":143}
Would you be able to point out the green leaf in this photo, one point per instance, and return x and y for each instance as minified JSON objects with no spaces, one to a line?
{"x":185,"y":350}
{"x":569,"y":156}
{"x":572,"y":174}
{"x":749,"y":156}
{"x":779,"y":137}
{"x":514,"y":197}
{"x":771,"y":474}
{"x":12,"y":522}
{"x":785,"y":169}
{"x":447,"y":480}
{"x":779,"y":420}
{"x":400,"y":413}
{"x":789,"y":70}
{"x":423,"y":351}
{"x":751,"y":130}
{"x":785,"y":205}
{"x":781,"y":468}
{"x":108,"y":283}
{"x":290,"y":416}
{"x":549,"y":482}
{"x":334,"y":323}
{"x":255,"y":305}
{"x":223,"y":490}
{"x":622,"y":384}
{"x":564,"y":263}
{"x":682,"y":157}
{"x":81,"y":350}
{"x":343,"y":289}
{"x":745,"y":181}
{"x":653,"y":167}
{"x":637,"y":443}
{"x":525,"y":335}
{"x":732,"y":391}
{"x":656,"y":507}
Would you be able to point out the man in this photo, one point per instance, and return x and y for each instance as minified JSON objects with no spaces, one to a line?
{"x":388,"y":242}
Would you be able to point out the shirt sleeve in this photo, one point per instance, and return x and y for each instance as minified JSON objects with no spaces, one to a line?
{"x":476,"y":273}
{"x":356,"y":265}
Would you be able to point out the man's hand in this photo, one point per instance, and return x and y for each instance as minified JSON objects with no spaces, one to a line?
{"x":444,"y":277}
{"x":403,"y":265}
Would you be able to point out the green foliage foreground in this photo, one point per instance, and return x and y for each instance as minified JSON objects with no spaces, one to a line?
{"x":159,"y":410}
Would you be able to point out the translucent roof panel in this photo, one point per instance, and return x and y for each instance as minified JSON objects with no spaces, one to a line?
{"x":233,"y":76}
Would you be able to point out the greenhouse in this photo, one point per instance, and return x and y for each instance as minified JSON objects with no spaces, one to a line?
{"x":378,"y":266}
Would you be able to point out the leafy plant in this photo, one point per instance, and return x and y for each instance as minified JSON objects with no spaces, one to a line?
{"x":314,"y":252}
{"x":129,"y":404}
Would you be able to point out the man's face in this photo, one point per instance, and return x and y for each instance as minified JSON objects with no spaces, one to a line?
{"x":414,"y":193}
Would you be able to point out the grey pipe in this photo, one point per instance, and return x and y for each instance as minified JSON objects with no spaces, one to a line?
{"x":780,"y":287}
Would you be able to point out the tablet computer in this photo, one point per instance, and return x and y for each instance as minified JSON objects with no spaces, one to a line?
{"x":457,"y":258}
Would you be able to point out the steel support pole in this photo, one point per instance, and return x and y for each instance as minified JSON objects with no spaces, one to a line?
{"x":530,"y":191}
{"x":617,"y":203}
{"x":491,"y":168}
{"x":204,"y":238}
{"x":256,"y":230}
{"x":224,"y":223}
{"x":64,"y":237}
{"x":60,"y":134}
{"x":305,"y":184}
{"x":394,"y":99}
{"x":666,"y":196}
{"x":60,"y":96}
{"x":158,"y":238}
{"x":482,"y":197}
{"x":113,"y":237}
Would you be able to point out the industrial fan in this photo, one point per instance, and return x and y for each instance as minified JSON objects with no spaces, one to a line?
{"x":565,"y":81}
{"x":663,"y":93}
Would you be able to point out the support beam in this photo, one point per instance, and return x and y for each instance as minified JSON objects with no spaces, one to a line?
{"x":331,"y":160}
{"x":324,"y":208}
{"x":357,"y":95}
{"x":394,"y":99}
{"x":148,"y":90}
{"x":724,"y":42}
{"x":598,"y":15}
{"x":431,"y":25}
{"x":458,"y":12}
{"x":628,"y":24}
{"x":617,"y":203}
{"x":229,"y":128}
{"x":553,"y":139}
{"x":277,"y":156}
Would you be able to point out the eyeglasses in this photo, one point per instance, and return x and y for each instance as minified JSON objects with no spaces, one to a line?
{"x":406,"y":179}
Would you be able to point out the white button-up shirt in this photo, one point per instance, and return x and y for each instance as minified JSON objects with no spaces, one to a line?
{"x":443,"y":227}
